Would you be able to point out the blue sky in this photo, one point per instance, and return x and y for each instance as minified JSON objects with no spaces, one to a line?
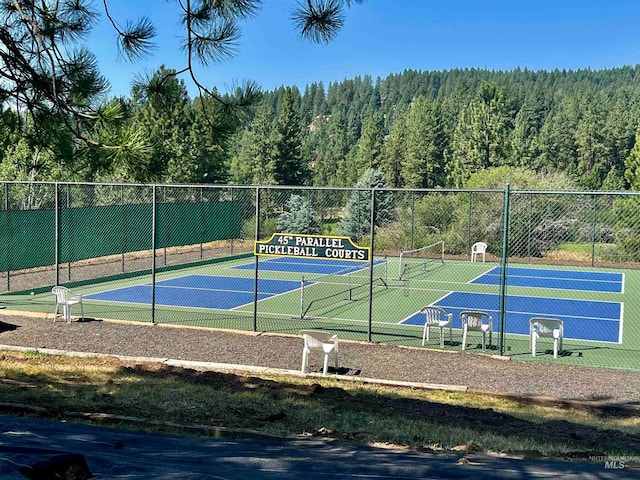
{"x":382,"y":37}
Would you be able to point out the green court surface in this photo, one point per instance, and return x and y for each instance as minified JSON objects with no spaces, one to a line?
{"x":221,"y":295}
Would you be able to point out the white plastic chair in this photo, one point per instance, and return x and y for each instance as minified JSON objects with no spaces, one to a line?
{"x":320,"y":341}
{"x":65,"y":298}
{"x":478,"y":248}
{"x":476,"y":321}
{"x":437,"y":318}
{"x":546,"y":328}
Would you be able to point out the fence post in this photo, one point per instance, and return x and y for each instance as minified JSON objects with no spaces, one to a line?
{"x":593,"y":230}
{"x":469,"y":224}
{"x":503,"y":268}
{"x":413,"y":217}
{"x":371,"y":254}
{"x":6,"y":208}
{"x":154,"y":227}
{"x":529,"y":223}
{"x":255,"y":283}
{"x":126,"y":225}
{"x":57,"y":247}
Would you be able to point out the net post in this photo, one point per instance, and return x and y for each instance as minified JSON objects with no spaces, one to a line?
{"x":302,"y":298}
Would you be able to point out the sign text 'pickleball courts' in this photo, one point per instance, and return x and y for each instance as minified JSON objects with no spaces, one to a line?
{"x":310,"y":246}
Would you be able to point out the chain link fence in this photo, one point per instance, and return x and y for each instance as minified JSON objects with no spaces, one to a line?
{"x":110,"y":237}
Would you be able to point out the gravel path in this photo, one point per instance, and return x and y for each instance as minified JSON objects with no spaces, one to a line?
{"x":385,"y":362}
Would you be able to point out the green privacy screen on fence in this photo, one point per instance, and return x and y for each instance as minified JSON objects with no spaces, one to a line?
{"x":28,"y":238}
{"x":109,"y":230}
{"x":100,"y":231}
{"x":190,"y":224}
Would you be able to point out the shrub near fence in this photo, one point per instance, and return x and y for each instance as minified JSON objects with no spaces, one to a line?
{"x":88,"y":234}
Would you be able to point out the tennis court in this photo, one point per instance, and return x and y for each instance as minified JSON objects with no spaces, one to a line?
{"x":308,"y":265}
{"x":583,"y":320}
{"x":334,"y":294}
{"x":231,"y":292}
{"x":198,"y":291}
{"x":589,"y":320}
{"x":558,"y":279}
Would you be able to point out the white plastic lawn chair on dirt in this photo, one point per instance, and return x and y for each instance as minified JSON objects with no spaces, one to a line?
{"x":319,"y":341}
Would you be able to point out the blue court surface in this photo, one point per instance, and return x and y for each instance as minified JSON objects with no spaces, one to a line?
{"x":199,"y":291}
{"x":562,"y":279}
{"x":308,"y":265}
{"x":583,"y":320}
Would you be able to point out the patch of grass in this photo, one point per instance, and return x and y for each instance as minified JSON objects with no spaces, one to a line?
{"x":575,"y":247}
{"x":155,"y":397}
{"x":579,"y":252}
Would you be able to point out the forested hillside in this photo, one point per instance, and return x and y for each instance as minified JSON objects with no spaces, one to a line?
{"x":421,"y":129}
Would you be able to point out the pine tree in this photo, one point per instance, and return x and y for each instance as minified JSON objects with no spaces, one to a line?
{"x":299,"y":217}
{"x":165,"y":117}
{"x":47,"y":71}
{"x":481,"y":132}
{"x":357,"y":220}
{"x":394,"y":152}
{"x":369,"y":147}
{"x":425,"y":143}
{"x":290,"y":167}
{"x":632,"y":164}
{"x":254,"y":162}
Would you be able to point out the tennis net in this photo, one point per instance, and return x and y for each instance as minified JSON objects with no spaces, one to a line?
{"x":416,"y":262}
{"x":350,"y":285}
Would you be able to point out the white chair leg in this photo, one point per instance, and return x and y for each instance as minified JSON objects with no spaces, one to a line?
{"x":464,"y":338}
{"x":555,"y":348}
{"x":484,"y":341}
{"x":442,"y":338}
{"x":304,"y":360}
{"x":425,"y":334}
{"x":533,"y":346}
{"x":325,"y":367}
{"x":450,"y":336}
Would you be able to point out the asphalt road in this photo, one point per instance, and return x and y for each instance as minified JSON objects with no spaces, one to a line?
{"x":37,"y":446}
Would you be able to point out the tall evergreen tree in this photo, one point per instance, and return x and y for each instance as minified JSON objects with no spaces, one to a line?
{"x":424,"y":163}
{"x":525,"y":141}
{"x":369,"y":147}
{"x":395,"y":150}
{"x":557,"y":139}
{"x":290,"y":167}
{"x":480,"y":136}
{"x":593,"y":163}
{"x":254,"y":163}
{"x":331,"y":152}
{"x":165,"y":117}
{"x":632,"y":164}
